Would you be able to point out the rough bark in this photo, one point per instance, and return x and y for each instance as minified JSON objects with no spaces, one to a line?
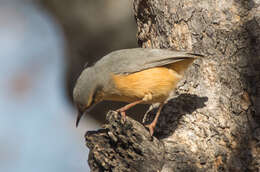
{"x":213,"y":125}
{"x":124,"y":145}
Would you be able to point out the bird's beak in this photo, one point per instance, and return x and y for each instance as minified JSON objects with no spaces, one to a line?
{"x":80,"y":114}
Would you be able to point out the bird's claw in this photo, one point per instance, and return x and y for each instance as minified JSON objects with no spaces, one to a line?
{"x":151,"y":128}
{"x":123,"y":114}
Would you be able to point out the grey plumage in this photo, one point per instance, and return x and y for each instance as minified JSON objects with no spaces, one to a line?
{"x":128,"y":61}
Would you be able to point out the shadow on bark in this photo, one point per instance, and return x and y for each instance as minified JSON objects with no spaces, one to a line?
{"x":245,"y":157}
{"x":173,"y":111}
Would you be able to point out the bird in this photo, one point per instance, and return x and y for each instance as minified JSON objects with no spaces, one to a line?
{"x":135,"y":76}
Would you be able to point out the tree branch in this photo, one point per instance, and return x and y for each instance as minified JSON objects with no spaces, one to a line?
{"x":124,"y":146}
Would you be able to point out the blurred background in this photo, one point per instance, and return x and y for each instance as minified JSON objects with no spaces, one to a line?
{"x":44,"y":47}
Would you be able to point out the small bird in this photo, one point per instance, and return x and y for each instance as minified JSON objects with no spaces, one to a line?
{"x":135,"y":76}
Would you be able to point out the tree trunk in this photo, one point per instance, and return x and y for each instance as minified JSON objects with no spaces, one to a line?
{"x":213,"y":123}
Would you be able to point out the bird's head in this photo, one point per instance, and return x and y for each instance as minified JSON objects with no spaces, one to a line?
{"x":86,"y":93}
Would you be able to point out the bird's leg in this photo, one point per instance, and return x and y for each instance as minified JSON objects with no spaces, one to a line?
{"x":153,"y":124}
{"x":126,"y":107}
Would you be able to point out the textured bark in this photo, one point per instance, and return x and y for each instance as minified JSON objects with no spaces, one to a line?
{"x":124,"y":145}
{"x":213,"y":123}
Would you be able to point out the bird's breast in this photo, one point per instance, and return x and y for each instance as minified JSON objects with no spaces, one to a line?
{"x":158,"y":82}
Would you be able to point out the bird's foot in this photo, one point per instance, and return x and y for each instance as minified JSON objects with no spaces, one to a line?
{"x":122,"y":113}
{"x":151,"y":128}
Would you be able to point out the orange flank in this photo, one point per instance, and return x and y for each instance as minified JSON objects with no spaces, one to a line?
{"x":157,"y":82}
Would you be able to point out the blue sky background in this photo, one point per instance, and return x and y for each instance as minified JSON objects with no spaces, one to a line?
{"x":37,"y":125}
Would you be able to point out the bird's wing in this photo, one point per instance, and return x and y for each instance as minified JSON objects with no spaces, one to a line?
{"x":137,"y":59}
